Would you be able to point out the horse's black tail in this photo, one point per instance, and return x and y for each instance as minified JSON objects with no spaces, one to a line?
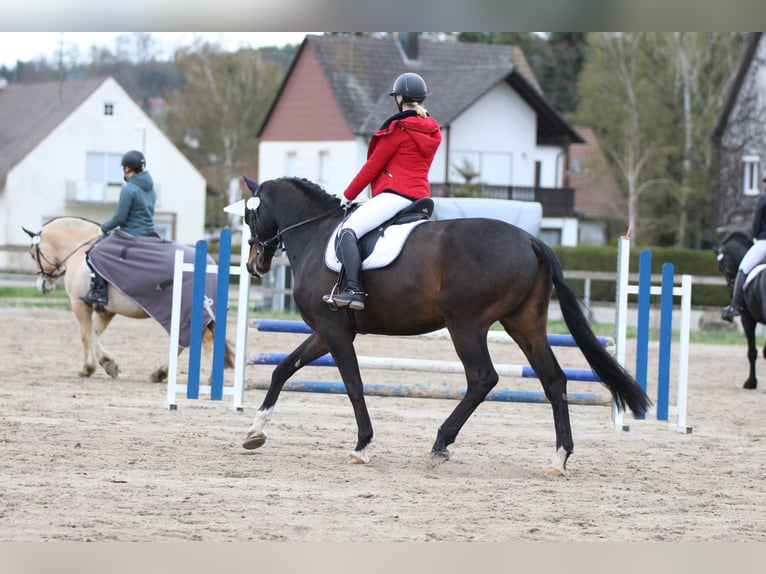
{"x":624,"y":388}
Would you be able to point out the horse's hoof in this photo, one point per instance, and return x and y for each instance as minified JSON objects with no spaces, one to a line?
{"x":112,"y":370}
{"x":750,"y":385}
{"x":558,"y":464}
{"x":441,"y":455}
{"x":556,"y":472}
{"x":358,"y":457}
{"x":255,"y":440}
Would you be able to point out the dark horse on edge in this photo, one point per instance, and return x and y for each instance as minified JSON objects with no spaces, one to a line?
{"x":463,"y":274}
{"x":729,"y":254}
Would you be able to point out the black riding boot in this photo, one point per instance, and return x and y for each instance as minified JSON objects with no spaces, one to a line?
{"x":96,"y":297}
{"x":353,"y":295}
{"x":735,"y":307}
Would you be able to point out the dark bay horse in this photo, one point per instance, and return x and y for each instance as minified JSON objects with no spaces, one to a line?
{"x":461,"y":274}
{"x":729,"y":254}
{"x":58,"y":250}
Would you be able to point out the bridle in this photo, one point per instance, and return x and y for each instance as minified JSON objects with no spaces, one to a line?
{"x":58,"y":268}
{"x":270,"y":246}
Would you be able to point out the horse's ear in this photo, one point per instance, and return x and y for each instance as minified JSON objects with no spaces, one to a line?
{"x":252,"y":185}
{"x":30,"y":233}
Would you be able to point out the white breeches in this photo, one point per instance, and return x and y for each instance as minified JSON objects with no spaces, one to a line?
{"x":375,"y":211}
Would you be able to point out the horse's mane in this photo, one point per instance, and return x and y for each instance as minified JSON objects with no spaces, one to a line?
{"x":314,"y":191}
{"x":738,"y":236}
{"x":71,"y":220}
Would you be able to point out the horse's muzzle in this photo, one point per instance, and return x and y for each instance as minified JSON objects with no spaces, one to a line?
{"x":44,"y":286}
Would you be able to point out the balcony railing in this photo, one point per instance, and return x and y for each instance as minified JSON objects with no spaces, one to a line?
{"x":82,"y":192}
{"x":556,"y":201}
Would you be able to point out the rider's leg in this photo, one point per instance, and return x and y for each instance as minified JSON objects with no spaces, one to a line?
{"x":365,"y":218}
{"x":97,"y":296}
{"x":353,"y":295}
{"x":754,"y":256}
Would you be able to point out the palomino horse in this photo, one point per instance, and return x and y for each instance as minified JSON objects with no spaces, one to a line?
{"x":729,"y":254}
{"x":463,"y":274}
{"x":59,"y":248}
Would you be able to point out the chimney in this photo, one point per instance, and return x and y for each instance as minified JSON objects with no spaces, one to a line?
{"x":409,"y":43}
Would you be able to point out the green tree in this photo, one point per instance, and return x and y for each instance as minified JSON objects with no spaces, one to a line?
{"x":214,"y":119}
{"x":622,"y":105}
{"x":696,"y":71}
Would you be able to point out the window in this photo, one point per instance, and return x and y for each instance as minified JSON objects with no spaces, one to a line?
{"x":751,"y":174}
{"x":292,"y":164}
{"x":550,"y":236}
{"x":324,"y":157}
{"x":108,"y":108}
{"x":103,"y":168}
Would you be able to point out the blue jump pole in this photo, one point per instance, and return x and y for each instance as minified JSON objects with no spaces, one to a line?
{"x":221,"y":311}
{"x":197,"y":311}
{"x":408,"y":391}
{"x":642,"y":327}
{"x":666,"y":334}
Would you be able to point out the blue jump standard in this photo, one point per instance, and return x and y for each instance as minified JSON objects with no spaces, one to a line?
{"x":283,"y":326}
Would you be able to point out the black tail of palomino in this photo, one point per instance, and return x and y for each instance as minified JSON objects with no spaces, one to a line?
{"x":624,"y":388}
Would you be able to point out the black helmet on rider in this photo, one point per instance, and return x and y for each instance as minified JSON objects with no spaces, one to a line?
{"x":134,"y":160}
{"x":411,"y":87}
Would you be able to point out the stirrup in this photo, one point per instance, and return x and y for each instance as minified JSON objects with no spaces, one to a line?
{"x":729,"y":313}
{"x":351,"y":299}
{"x":95,"y":301}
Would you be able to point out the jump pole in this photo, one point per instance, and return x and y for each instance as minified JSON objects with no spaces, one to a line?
{"x":285,"y":326}
{"x":411,"y":391}
{"x":421,"y":365}
{"x":667,"y":291}
{"x":223,"y":270}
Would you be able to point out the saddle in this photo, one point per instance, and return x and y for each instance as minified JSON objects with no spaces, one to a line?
{"x":382,"y":245}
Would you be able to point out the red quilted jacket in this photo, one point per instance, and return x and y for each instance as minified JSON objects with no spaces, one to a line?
{"x":399,"y":157}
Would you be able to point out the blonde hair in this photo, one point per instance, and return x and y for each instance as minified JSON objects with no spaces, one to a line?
{"x":420,"y":109}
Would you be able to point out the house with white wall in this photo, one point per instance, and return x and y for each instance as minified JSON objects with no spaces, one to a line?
{"x":740,"y":142}
{"x":60,"y":150}
{"x":497,"y":125}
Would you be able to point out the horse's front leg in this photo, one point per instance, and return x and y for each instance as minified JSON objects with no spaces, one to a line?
{"x":348,"y":365}
{"x":748,"y":325}
{"x":312,"y":348}
{"x":84,"y":315}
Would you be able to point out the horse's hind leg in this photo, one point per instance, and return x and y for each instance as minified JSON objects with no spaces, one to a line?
{"x":533,"y":341}
{"x":470,"y":342}
{"x":312,"y":348}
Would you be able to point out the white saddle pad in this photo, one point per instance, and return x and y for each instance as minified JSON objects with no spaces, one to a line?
{"x":388,"y":247}
{"x":752,"y":275}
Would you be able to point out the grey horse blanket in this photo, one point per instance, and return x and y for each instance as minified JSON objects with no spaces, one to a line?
{"x":142,"y":268}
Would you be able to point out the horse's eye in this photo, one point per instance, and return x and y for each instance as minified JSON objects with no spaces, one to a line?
{"x":253,"y":203}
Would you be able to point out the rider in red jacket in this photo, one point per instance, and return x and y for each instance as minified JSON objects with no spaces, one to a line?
{"x":399,"y":157}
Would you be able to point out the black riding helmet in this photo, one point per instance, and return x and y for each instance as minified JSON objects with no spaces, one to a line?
{"x":134,"y":160}
{"x":411,"y":87}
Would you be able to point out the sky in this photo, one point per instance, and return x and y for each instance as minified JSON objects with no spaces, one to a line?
{"x":26,"y":46}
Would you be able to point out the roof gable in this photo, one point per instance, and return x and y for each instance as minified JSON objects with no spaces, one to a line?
{"x":361,"y":70}
{"x":747,"y":61}
{"x":30,"y":112}
{"x":598,"y":195}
